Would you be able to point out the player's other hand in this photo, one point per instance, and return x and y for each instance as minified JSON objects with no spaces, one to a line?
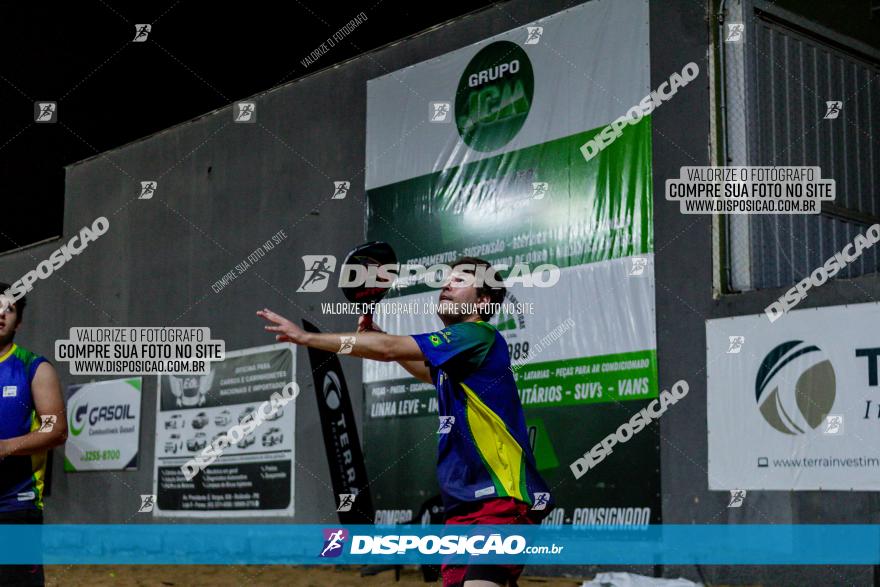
{"x":284,"y":329}
{"x":366,"y":324}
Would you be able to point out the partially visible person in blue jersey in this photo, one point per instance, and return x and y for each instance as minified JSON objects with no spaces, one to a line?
{"x":485,"y":466}
{"x":32,"y":421}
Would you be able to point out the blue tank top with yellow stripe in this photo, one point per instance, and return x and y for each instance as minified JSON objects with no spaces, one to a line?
{"x":483,"y":448}
{"x":21,"y":477}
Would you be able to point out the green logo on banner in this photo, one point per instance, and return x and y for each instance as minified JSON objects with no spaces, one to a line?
{"x":506,"y":321}
{"x":542,"y":448}
{"x":494,"y":96}
{"x":77,"y":414}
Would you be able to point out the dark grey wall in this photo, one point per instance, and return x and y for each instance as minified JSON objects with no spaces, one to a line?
{"x":683,"y":279}
{"x":223,"y":189}
{"x":226,"y":188}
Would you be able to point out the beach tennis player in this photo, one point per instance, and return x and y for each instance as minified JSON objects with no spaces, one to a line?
{"x":32,"y":421}
{"x":485,"y":467}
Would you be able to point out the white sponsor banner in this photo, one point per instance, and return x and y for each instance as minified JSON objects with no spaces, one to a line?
{"x":795,"y":404}
{"x":104,"y":423}
{"x":591,"y":296}
{"x":572,"y":94}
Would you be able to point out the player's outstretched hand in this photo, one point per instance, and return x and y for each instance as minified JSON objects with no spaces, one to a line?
{"x":286,"y":331}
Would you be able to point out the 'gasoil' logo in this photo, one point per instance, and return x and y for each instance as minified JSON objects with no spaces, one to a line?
{"x":795,"y":387}
{"x":494,"y":96}
{"x":81,"y":414}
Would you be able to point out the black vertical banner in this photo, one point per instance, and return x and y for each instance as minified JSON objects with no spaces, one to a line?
{"x":348,"y":473}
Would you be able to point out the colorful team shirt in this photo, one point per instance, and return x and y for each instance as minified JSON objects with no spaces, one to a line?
{"x":484,"y":450}
{"x":21,"y":477}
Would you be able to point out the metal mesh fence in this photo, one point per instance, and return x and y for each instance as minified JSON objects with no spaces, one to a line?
{"x":793,"y":97}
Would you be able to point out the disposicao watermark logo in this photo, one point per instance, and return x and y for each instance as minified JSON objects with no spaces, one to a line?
{"x":148,"y":190}
{"x":533,"y":35}
{"x":439,"y":112}
{"x":736,"y":343}
{"x":833,"y":424}
{"x":340,"y":189}
{"x":346,"y":502}
{"x":646,"y":106}
{"x":735,"y":32}
{"x":333,"y":542}
{"x":832,"y":109}
{"x":474,"y":544}
{"x":446,"y":423}
{"x":76,"y":245}
{"x":319,"y":269}
{"x":141,"y":32}
{"x":455,"y":544}
{"x":240,"y":431}
{"x":148,"y":502}
{"x":849,"y":254}
{"x":629,"y":429}
{"x":737,"y":497}
{"x":795,"y":387}
{"x":245,"y":112}
{"x":46,"y":112}
{"x":47,"y":423}
{"x":542,"y":498}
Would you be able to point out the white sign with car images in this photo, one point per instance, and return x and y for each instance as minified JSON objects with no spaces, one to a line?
{"x":211,"y":460}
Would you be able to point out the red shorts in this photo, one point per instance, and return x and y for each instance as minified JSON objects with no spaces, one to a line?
{"x":501,"y":510}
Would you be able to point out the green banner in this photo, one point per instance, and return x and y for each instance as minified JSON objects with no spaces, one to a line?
{"x":494,"y":169}
{"x":579,"y":212}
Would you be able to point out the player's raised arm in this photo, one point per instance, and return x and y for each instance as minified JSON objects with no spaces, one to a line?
{"x":378,"y":346}
{"x":417,"y":368}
